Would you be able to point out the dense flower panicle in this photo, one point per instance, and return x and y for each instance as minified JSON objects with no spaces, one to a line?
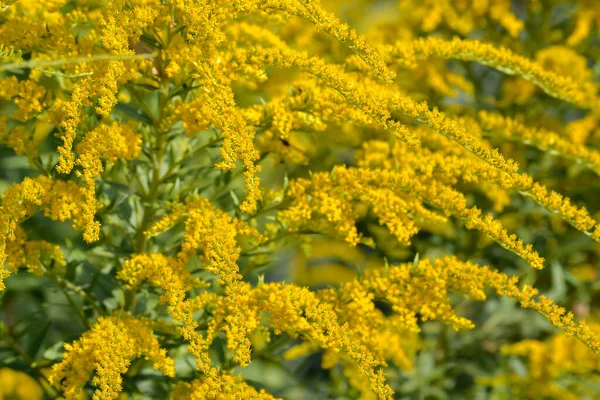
{"x":411,"y":291}
{"x":207,"y":229}
{"x":170,"y":275}
{"x":279,"y":122}
{"x":295,"y":311}
{"x":60,"y":200}
{"x":211,"y":231}
{"x":583,"y":95}
{"x":460,"y":16}
{"x":218,"y":387}
{"x":323,"y":20}
{"x":203,"y":21}
{"x":547,"y":362}
{"x":450,"y":201}
{"x":511,"y":179}
{"x":580,"y":130}
{"x":472,"y":279}
{"x":106,"y":143}
{"x":219,"y":107}
{"x":511,"y":129}
{"x":390,"y":337}
{"x":563,"y":60}
{"x":117,"y":28}
{"x":419,"y":291}
{"x":19,"y":384}
{"x":367,"y":100}
{"x":108,"y":349}
{"x":35,"y":255}
{"x":422,"y":291}
{"x":328,"y":205}
{"x":586,"y":17}
{"x":27,"y":95}
{"x":396,"y":198}
{"x":23,"y":141}
{"x":446,"y":165}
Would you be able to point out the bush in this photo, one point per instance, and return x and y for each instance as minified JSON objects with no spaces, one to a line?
{"x":255,"y":200}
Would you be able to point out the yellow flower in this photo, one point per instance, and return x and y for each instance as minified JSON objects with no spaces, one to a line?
{"x":19,"y":385}
{"x":551,"y":142}
{"x":27,"y":95}
{"x":218,"y":386}
{"x":60,"y":201}
{"x":565,"y":87}
{"x":297,"y":312}
{"x":108,"y":348}
{"x":105,"y":143}
{"x":211,"y":231}
{"x":170,"y":275}
{"x":547,"y":362}
{"x":461,"y":16}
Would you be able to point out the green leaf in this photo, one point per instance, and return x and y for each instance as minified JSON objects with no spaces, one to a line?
{"x":234,"y":197}
{"x":559,"y":286}
{"x":37,"y":336}
{"x":150,"y":41}
{"x":134,"y":112}
{"x":415,"y":263}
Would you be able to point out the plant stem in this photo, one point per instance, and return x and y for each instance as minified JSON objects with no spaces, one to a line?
{"x":55,"y":63}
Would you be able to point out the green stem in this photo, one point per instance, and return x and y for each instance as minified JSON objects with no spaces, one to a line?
{"x":158,"y":153}
{"x":77,"y":289}
{"x":187,"y":157}
{"x":72,"y":303}
{"x":54,"y":63}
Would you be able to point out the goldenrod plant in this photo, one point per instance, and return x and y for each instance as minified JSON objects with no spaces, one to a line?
{"x":261,"y":199}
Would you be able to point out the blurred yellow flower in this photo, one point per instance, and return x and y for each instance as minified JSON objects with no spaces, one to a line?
{"x":17,"y":385}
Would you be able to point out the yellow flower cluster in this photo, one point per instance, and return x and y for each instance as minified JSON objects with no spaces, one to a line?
{"x":60,"y":200}
{"x":35,"y":255}
{"x":386,"y":191}
{"x":580,"y":130}
{"x":472,"y":279}
{"x":586,"y":17}
{"x":171,"y":276}
{"x":22,"y":140}
{"x":27,"y":95}
{"x":108,"y":349}
{"x":290,"y":309}
{"x":548,"y":362}
{"x":118,"y":26}
{"x":105,"y":143}
{"x":218,"y":106}
{"x":381,"y":108}
{"x":295,"y":311}
{"x":323,"y":20}
{"x":446,"y":165}
{"x":461,"y":16}
{"x":507,"y":128}
{"x":422,"y":290}
{"x":207,"y":229}
{"x":219,"y":387}
{"x":331,"y":204}
{"x":280,"y":122}
{"x":18,"y":384}
{"x":582,"y":94}
{"x":211,"y":231}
